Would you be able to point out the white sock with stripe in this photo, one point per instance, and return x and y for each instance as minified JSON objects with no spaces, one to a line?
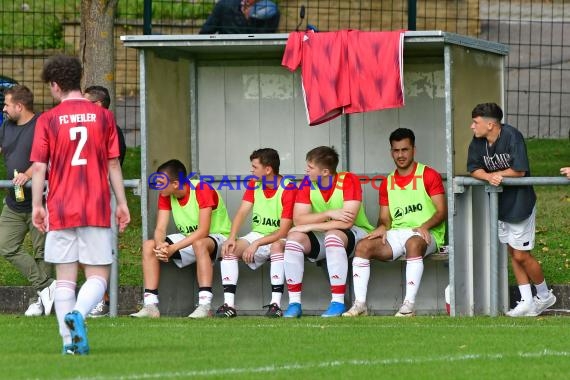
{"x":414,"y":272}
{"x":64,"y":301}
{"x":337,"y":264}
{"x":360,"y":277}
{"x":230,"y":274}
{"x":277,"y":272}
{"x":294,"y":269}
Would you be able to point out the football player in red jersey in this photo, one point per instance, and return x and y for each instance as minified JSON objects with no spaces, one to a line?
{"x":76,"y":144}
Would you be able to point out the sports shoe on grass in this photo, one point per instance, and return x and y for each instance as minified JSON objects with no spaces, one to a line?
{"x":68,"y":349}
{"x":100,"y":310}
{"x":226,"y":311}
{"x":540,"y":305}
{"x":359,"y":308}
{"x":523,"y":309}
{"x":148,"y":311}
{"x":76,"y":325}
{"x":202,"y":311}
{"x":406,"y":310}
{"x":335,"y":310}
{"x":293,"y":311}
{"x":47,"y":295}
{"x":36,"y":309}
{"x":273,"y":311}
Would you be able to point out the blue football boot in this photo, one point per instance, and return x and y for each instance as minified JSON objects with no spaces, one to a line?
{"x":335,"y":310}
{"x":76,"y":325}
{"x":293,"y":311}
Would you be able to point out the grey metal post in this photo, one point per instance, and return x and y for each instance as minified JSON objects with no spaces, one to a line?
{"x":114,"y":278}
{"x":494,"y":248}
{"x":134,"y":184}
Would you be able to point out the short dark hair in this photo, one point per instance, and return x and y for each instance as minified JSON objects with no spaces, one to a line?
{"x":64,"y":70}
{"x":267,"y":157}
{"x":489,"y":110}
{"x":324,"y":157}
{"x":173,"y":169}
{"x":99,"y":94}
{"x":401,"y":134}
{"x":21,"y":94}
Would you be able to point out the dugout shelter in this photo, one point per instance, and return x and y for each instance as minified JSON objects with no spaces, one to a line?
{"x":211,"y":100}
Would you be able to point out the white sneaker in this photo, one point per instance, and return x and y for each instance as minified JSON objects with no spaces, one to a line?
{"x":359,"y":308}
{"x":406,"y":310}
{"x":540,"y":305}
{"x":148,"y":311}
{"x":47,"y":296}
{"x":523,"y":309}
{"x":36,"y":309}
{"x":202,"y":311}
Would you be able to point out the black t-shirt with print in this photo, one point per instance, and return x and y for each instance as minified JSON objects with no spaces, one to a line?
{"x":509,"y":151}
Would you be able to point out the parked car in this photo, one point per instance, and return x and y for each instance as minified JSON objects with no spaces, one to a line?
{"x":5,"y":83}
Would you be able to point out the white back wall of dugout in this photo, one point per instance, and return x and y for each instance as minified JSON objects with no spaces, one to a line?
{"x":211,"y":100}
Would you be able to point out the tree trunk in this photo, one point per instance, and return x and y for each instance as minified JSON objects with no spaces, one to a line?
{"x":97,"y":53}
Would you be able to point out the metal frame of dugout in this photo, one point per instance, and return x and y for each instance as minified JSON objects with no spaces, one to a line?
{"x":211,"y":100}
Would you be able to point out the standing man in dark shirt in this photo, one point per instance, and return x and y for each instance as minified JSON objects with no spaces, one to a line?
{"x":498,"y":151}
{"x":242,"y":17}
{"x":16,"y":139}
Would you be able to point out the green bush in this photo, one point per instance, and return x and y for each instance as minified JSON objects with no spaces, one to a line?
{"x":38,"y":25}
{"x":179,"y":10}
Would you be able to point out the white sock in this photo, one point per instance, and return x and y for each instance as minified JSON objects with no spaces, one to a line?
{"x":360,"y":277}
{"x":526,"y":292}
{"x":64,"y":300}
{"x":90,"y":294}
{"x":337,"y":264}
{"x":150,"y":298}
{"x":414,"y":272}
{"x":294,"y":268}
{"x":205,"y":297}
{"x":230,"y":274}
{"x":542,"y":290}
{"x":277,"y":273}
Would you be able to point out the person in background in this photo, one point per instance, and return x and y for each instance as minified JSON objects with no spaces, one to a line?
{"x":270,"y":198}
{"x":565,"y":171}
{"x":498,"y":151}
{"x":329,"y":221}
{"x":411,"y":223}
{"x":242,"y":17}
{"x":203,"y":225}
{"x":16,"y":139}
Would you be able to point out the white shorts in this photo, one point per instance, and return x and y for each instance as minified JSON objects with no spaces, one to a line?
{"x":262,"y":254}
{"x":398,"y":238}
{"x":318,"y":252}
{"x":88,"y":245}
{"x":519,"y":235}
{"x":187,"y":256}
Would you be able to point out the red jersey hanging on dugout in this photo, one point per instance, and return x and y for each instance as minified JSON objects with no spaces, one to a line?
{"x":347,"y":71}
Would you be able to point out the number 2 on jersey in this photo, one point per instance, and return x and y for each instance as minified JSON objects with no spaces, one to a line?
{"x":73,"y":132}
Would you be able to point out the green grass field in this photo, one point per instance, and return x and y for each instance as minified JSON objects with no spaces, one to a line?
{"x":308,"y":348}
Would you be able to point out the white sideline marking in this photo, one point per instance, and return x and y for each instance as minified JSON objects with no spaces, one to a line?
{"x":334,"y":363}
